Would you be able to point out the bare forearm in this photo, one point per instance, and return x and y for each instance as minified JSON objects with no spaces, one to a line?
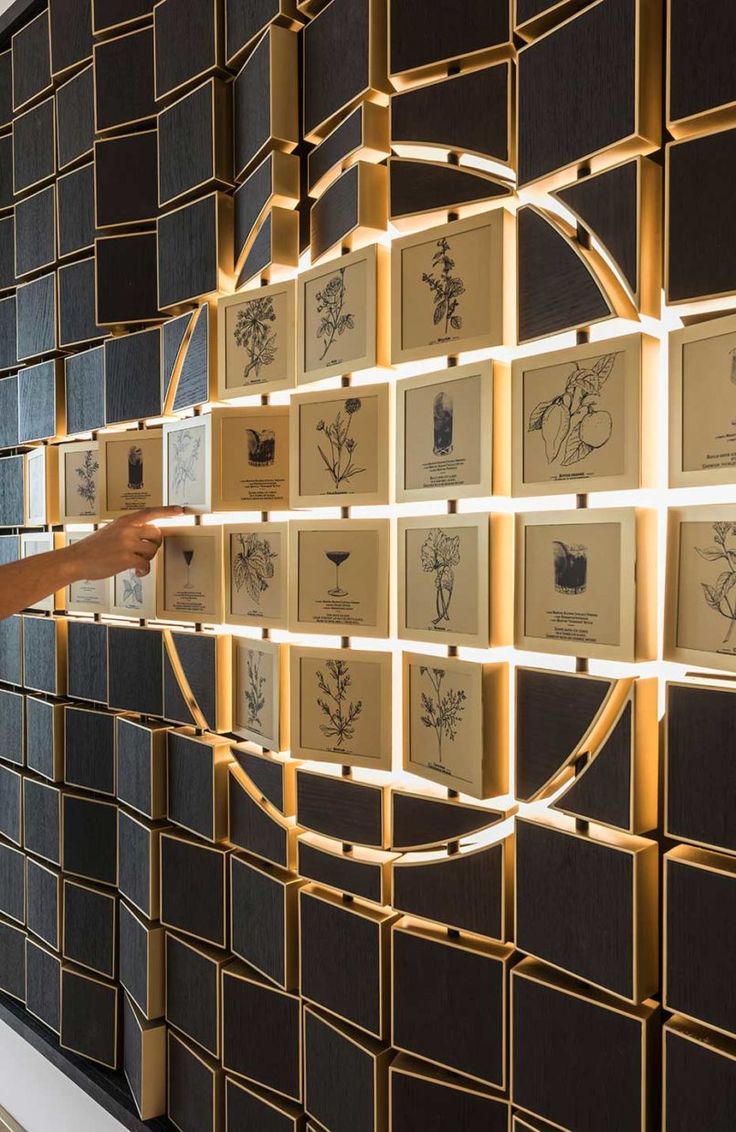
{"x":24,"y":583}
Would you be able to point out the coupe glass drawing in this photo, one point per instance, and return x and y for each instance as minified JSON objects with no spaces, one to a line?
{"x":337,"y":557}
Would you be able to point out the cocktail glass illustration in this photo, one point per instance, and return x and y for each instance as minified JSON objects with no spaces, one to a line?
{"x":188,"y":556}
{"x":442,"y":421}
{"x":135,"y":467}
{"x":571,"y":568}
{"x":337,"y":557}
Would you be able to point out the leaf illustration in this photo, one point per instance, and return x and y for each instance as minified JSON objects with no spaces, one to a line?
{"x":604,"y":367}
{"x":555,"y":427}
{"x":710,"y":595}
{"x":710,"y":553}
{"x":576,"y":449}
{"x":535,"y":417}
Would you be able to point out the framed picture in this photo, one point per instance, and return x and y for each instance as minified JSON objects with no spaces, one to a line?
{"x":702,"y":404}
{"x":256,"y":574}
{"x":256,"y":335}
{"x":261,"y":692}
{"x":584,"y":419}
{"x":341,"y":706}
{"x":700,"y":622}
{"x":447,"y":288}
{"x":87,"y":596}
{"x":455,"y":579}
{"x":340,"y":447}
{"x":132,"y":596}
{"x":250,"y":458}
{"x":342,"y":322}
{"x":456,"y":723}
{"x":42,"y":486}
{"x":42,"y":542}
{"x":79,"y":482}
{"x":187,"y":463}
{"x":189,"y":581}
{"x":339,"y":577}
{"x":445,"y":424}
{"x":586,"y":583}
{"x":131,"y":471}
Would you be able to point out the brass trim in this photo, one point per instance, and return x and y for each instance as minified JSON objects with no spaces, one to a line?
{"x":289,"y":885}
{"x":223,"y":851}
{"x":112,"y":898}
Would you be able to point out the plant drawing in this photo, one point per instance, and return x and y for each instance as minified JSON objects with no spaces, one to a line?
{"x":340,"y":712}
{"x":253,"y":333}
{"x":440,"y":553}
{"x":253,"y":567}
{"x":339,"y":463}
{"x":446,"y":288}
{"x":255,"y":691}
{"x":87,"y":473}
{"x":132,"y":590}
{"x":330,"y":303}
{"x":718,"y":596}
{"x":571,"y":424}
{"x":443,"y":710}
{"x":186,"y":446}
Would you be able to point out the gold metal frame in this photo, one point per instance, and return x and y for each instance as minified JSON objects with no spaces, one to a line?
{"x":152,"y":1099}
{"x":287,"y":825}
{"x":113,"y":988}
{"x":713,"y":118}
{"x":379,"y":1054}
{"x":282,"y":95}
{"x":374,"y":147}
{"x":379,"y":861}
{"x":217,"y":66}
{"x":75,"y":446}
{"x":212,"y":1067}
{"x":155,"y":1005}
{"x":112,"y":898}
{"x":223,"y":852}
{"x":492,"y":53}
{"x":289,"y":886}
{"x":221,"y":117}
{"x":102,"y":45}
{"x":371,"y":211}
{"x":37,"y":95}
{"x":243,"y":974}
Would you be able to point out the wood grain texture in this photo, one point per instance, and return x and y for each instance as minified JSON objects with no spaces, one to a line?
{"x":193,"y":1088}
{"x":77,"y":311}
{"x":193,"y":993}
{"x":34,"y":159}
{"x":422,"y":1102}
{"x":187,"y":866}
{"x":193,"y":782}
{"x":607,"y":205}
{"x":42,"y":820}
{"x":89,"y":1010}
{"x":6,"y":88}
{"x":187,"y":41}
{"x":423,"y":186}
{"x":138,"y":853}
{"x":11,"y":491}
{"x":141,"y":961}
{"x":246,"y":19}
{"x":133,"y":376}
{"x":247,"y":1109}
{"x":12,"y":727}
{"x":11,"y":639}
{"x":701,"y":240}
{"x":39,"y":654}
{"x":132,"y":1051}
{"x":8,"y":333}
{"x":90,"y":936}
{"x":35,"y":232}
{"x":31,"y":60}
{"x":90,"y":838}
{"x":71,"y":33}
{"x":343,"y":140}
{"x":252,"y":829}
{"x":12,"y":884}
{"x":75,"y":118}
{"x":561,"y":122}
{"x":87,"y":661}
{"x":332,"y":1056}
{"x":358,"y":878}
{"x":701,"y":730}
{"x":11,"y":805}
{"x":198,"y":656}
{"x":36,"y":312}
{"x":141,"y":768}
{"x":194,"y":379}
{"x":267,"y":775}
{"x":173,"y":332}
{"x":701,"y":75}
{"x":188,"y":252}
{"x":603,"y":793}
{"x":441,"y":35}
{"x":6,"y":171}
{"x":348,"y":811}
{"x":336,"y":60}
{"x":42,"y":746}
{"x":7,"y":252}
{"x":251,"y":107}
{"x":124,"y":80}
{"x":13,"y":961}
{"x":43,"y":985}
{"x":126,"y":279}
{"x":37,"y":387}
{"x":260,"y":255}
{"x":250,"y":200}
{"x":335,"y":214}
{"x":77,"y":229}
{"x":465,"y":891}
{"x":699,"y":1083}
{"x":44,"y":901}
{"x":111,"y":14}
{"x":258,"y":918}
{"x":89,"y":749}
{"x":9,"y":544}
{"x":261,"y":1034}
{"x":186,"y":133}
{"x":126,"y":179}
{"x":468,"y":113}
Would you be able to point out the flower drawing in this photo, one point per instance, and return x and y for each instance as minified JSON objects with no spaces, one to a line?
{"x":446,"y":288}
{"x":186,"y":446}
{"x":338,"y":454}
{"x":340,"y":712}
{"x":132,"y":590}
{"x":254,"y":333}
{"x":719,"y":597}
{"x":87,"y":473}
{"x":572,"y":425}
{"x":330,"y":303}
{"x":443,"y":711}
{"x":253,"y":567}
{"x":440,"y":554}
{"x":255,"y":690}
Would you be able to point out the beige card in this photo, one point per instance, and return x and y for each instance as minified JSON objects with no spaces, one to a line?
{"x":41,"y":543}
{"x":703,"y":403}
{"x":259,"y":690}
{"x":87,"y":596}
{"x":341,"y":706}
{"x":257,"y":574}
{"x":256,"y":331}
{"x":36,"y":502}
{"x":133,"y":596}
{"x":251,"y":458}
{"x":131,"y":471}
{"x":340,"y":577}
{"x":706,"y":613}
{"x":190,"y":574}
{"x":337,"y":325}
{"x":79,"y":481}
{"x":187,"y":450}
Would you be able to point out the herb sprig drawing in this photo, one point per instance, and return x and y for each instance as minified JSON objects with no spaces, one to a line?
{"x":440,"y":554}
{"x":443,"y":711}
{"x":446,"y":288}
{"x":340,"y":711}
{"x":132,"y":590}
{"x":719,"y":597}
{"x":255,"y":690}
{"x":254,"y":333}
{"x":186,"y":446}
{"x":253,"y":567}
{"x":87,"y":473}
{"x":572,"y":424}
{"x":330,"y":305}
{"x":339,"y":460}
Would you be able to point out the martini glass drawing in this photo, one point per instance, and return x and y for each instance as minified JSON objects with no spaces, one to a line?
{"x":337,"y":557}
{"x":188,"y":556}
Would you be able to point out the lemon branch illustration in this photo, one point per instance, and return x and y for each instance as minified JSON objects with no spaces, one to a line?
{"x":446,"y":288}
{"x":340,"y":712}
{"x":443,"y":710}
{"x":717,"y":596}
{"x":440,"y":553}
{"x":571,"y":424}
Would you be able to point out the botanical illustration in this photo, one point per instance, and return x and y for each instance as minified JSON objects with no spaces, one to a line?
{"x":132,"y":590}
{"x":339,"y":449}
{"x":720,"y":596}
{"x":261,"y":447}
{"x":571,"y":568}
{"x":572,"y":424}
{"x":253,"y":568}
{"x":443,"y":710}
{"x":185,"y":448}
{"x":87,"y":475}
{"x":254,"y":333}
{"x":330,"y":305}
{"x":446,"y":288}
{"x":255,"y":690}
{"x":440,"y":554}
{"x":443,"y":421}
{"x":341,"y":713}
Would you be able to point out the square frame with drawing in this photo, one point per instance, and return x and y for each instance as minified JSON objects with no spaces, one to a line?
{"x":256,"y":574}
{"x":341,"y":706}
{"x":466,"y":705}
{"x":87,"y":596}
{"x":256,"y":341}
{"x":339,"y":442}
{"x":187,"y":463}
{"x":250,"y":458}
{"x":189,"y":582}
{"x":261,"y":692}
{"x":42,"y":542}
{"x":131,"y":471}
{"x":586,"y":583}
{"x":42,"y":486}
{"x":131,"y":596}
{"x":79,"y":482}
{"x":702,"y":404}
{"x":339,"y":577}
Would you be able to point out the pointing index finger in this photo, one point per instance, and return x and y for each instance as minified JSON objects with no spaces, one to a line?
{"x":141,"y":518}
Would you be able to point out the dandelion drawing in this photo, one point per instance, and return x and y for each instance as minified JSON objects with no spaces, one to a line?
{"x":719,"y":597}
{"x":132,"y":590}
{"x":341,"y":713}
{"x":571,"y":424}
{"x":440,"y":554}
{"x":253,"y":568}
{"x":87,"y":473}
{"x":255,"y":691}
{"x":446,"y":288}
{"x":185,"y":459}
{"x":443,"y":710}
{"x":339,"y":460}
{"x":254,"y":333}
{"x":330,"y":303}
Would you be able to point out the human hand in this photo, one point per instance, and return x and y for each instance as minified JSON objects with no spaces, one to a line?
{"x":128,"y":543}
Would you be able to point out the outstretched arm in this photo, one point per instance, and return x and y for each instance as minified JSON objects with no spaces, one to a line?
{"x":129,"y":543}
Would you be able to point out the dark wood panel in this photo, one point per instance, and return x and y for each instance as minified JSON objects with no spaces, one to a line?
{"x":261,"y":1033}
{"x":608,"y":206}
{"x":12,"y":727}
{"x":42,"y":821}
{"x":11,"y":491}
{"x":440,"y":35}
{"x":85,"y":389}
{"x":37,"y":400}
{"x":189,"y":251}
{"x":417,"y":187}
{"x":12,"y":884}
{"x":701,"y":77}
{"x":36,"y":314}
{"x":247,"y":1108}
{"x":188,"y":43}
{"x":138,"y":874}
{"x":126,"y":279}
{"x":126,"y":189}
{"x":35,"y":232}
{"x":87,"y":661}
{"x":195,"y":1088}
{"x":266,"y":773}
{"x":77,"y":304}
{"x":193,"y":387}
{"x":134,"y":657}
{"x":40,"y":655}
{"x":342,"y":871}
{"x":332,"y":1056}
{"x":701,"y":732}
{"x":467,"y":113}
{"x":336,"y":213}
{"x":251,"y":107}
{"x":133,"y":376}
{"x":198,"y":655}
{"x":195,"y":142}
{"x":426,"y":1101}
{"x":337,"y":60}
{"x":188,"y":866}
{"x":699,"y":1079}
{"x":173,"y":332}
{"x":193,"y":992}
{"x":90,"y":838}
{"x":76,"y":193}
{"x":75,"y":118}
{"x":108,"y":15}
{"x":11,"y":805}
{"x":89,"y":1017}
{"x":604,"y":792}
{"x":31,"y":50}
{"x":43,"y":985}
{"x":44,"y":738}
{"x":464,"y":890}
{"x":34,"y":147}
{"x":141,"y":766}
{"x":124,"y":80}
{"x":13,"y":961}
{"x":71,"y":34}
{"x":245,"y":20}
{"x":142,"y":961}
{"x":196,"y":781}
{"x":261,"y":918}
{"x":90,"y":928}
{"x":6,"y":88}
{"x":89,"y":749}
{"x":43,"y":889}
{"x":253,"y":829}
{"x":348,"y":811}
{"x":7,"y":252}
{"x":8,"y":335}
{"x":11,"y":629}
{"x":6,"y":171}
{"x":9,"y":414}
{"x":342,"y":141}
